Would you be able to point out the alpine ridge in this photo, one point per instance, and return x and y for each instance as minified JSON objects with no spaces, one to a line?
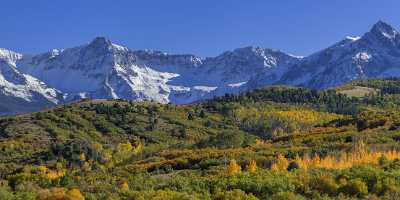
{"x":375,"y":54}
{"x":104,"y":70}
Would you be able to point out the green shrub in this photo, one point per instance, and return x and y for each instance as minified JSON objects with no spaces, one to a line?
{"x":287,"y":196}
{"x":234,"y":195}
{"x":355,"y":187}
{"x":326,"y":184}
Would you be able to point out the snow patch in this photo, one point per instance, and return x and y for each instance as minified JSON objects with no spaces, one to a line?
{"x":25,"y":88}
{"x":119,"y":47}
{"x":390,"y":35}
{"x":353,"y":38}
{"x":9,"y":56}
{"x":234,"y":85}
{"x":363,"y":56}
{"x":205,"y":88}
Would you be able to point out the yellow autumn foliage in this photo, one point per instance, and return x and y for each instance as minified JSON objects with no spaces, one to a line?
{"x":278,"y":122}
{"x":124,"y":147}
{"x":124,"y":186}
{"x":281,"y":163}
{"x":60,"y":194}
{"x":359,"y":156}
{"x":46,"y":173}
{"x":259,"y":142}
{"x":124,"y":151}
{"x":82,"y":157}
{"x":304,"y":116}
{"x":75,"y":194}
{"x":233,"y":167}
{"x":252,"y":167}
{"x":52,"y":175}
{"x":138,"y":148}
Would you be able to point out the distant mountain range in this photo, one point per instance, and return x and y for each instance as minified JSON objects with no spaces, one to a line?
{"x":104,"y":70}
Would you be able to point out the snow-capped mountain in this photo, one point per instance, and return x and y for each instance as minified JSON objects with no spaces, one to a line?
{"x":375,"y":54}
{"x":21,"y":92}
{"x":104,"y":70}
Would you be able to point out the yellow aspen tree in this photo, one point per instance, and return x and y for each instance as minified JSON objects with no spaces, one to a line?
{"x":124,"y":147}
{"x":252,"y":167}
{"x":138,"y":149}
{"x":52,"y":194}
{"x":281,"y":163}
{"x":233,"y":167}
{"x":82,"y":157}
{"x":302,"y":163}
{"x":259,"y":142}
{"x":316,"y":161}
{"x":124,"y":186}
{"x":75,"y":194}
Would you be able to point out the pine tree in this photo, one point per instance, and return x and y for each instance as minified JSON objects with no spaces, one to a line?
{"x":202,"y":114}
{"x":190,"y":116}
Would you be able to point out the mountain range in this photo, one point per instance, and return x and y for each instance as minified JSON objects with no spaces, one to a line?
{"x":104,"y":70}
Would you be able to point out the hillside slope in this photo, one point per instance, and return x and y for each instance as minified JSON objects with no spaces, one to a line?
{"x":272,"y":143}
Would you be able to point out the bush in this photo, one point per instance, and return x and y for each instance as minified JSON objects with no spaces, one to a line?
{"x":326,"y":184}
{"x":234,"y":195}
{"x":355,"y":187}
{"x":287,"y":196}
{"x":161,"y":195}
{"x":226,"y":139}
{"x":5,"y":194}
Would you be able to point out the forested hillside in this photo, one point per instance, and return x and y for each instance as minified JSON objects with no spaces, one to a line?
{"x":272,"y":143}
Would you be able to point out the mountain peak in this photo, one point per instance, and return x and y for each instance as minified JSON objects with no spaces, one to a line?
{"x":100,"y":42}
{"x":249,"y":49}
{"x":383,"y":28}
{"x":9,"y":56}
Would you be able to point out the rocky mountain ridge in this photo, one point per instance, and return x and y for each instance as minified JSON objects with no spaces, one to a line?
{"x":104,"y":70}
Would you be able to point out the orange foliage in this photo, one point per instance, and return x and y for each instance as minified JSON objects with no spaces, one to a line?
{"x":359,"y":156}
{"x":281,"y":163}
{"x":75,"y":194}
{"x":124,"y":186}
{"x":233,"y":167}
{"x":82,"y":157}
{"x":50,"y":174}
{"x":259,"y":142}
{"x":60,"y":194}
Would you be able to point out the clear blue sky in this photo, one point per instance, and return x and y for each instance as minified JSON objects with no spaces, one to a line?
{"x":202,"y":27}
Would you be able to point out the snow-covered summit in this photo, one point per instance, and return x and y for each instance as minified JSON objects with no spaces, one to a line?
{"x":103,"y":69}
{"x":375,"y":54}
{"x":9,"y":56}
{"x":383,"y":29}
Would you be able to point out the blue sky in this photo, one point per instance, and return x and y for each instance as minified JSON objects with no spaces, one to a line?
{"x":201,"y":27}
